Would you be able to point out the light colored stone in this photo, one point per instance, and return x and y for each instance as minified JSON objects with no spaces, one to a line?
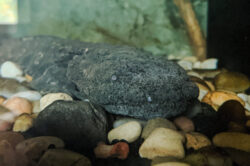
{"x":195,"y":74}
{"x":186,"y":65}
{"x":36,"y":107}
{"x":192,"y":59}
{"x":163,"y":142}
{"x":51,"y":97}
{"x":122,"y":121}
{"x":207,"y":73}
{"x":210,"y":63}
{"x":236,"y":140}
{"x":197,"y":65}
{"x":210,"y":85}
{"x":202,"y":91}
{"x":19,"y":105}
{"x":130,"y":132}
{"x":216,"y":98}
{"x":156,"y":123}
{"x":20,"y":79}
{"x":23,"y":123}
{"x":231,"y":81}
{"x":185,"y":124}
{"x":10,"y":70}
{"x":247,"y":106}
{"x":29,"y":95}
{"x":243,"y":96}
{"x":172,"y":164}
{"x":196,"y":140}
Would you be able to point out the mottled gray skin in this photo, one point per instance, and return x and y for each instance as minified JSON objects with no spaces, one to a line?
{"x":124,"y":80}
{"x":80,"y":124}
{"x":132,"y":82}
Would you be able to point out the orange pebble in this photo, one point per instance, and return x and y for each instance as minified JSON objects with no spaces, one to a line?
{"x":18,"y":105}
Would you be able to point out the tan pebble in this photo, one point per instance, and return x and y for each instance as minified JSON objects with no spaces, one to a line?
{"x":240,"y":141}
{"x":232,"y":81}
{"x":210,"y":85}
{"x":2,"y":99}
{"x":196,"y":140}
{"x":217,"y":98}
{"x":129,"y":131}
{"x":184,"y":123}
{"x":36,"y":106}
{"x":19,"y":105}
{"x":51,"y":97}
{"x":156,"y":123}
{"x":163,"y":142}
{"x":23,"y":123}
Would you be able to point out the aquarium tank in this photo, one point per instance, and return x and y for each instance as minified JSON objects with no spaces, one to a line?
{"x":124,"y":83}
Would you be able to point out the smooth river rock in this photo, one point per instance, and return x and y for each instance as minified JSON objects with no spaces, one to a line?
{"x":80,"y":124}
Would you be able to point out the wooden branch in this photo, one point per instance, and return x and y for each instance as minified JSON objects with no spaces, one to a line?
{"x":197,"y":40}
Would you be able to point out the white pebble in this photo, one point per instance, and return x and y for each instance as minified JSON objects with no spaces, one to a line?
{"x":122,"y":121}
{"x":20,"y":79}
{"x":243,"y":96}
{"x":197,"y":65}
{"x":36,"y":106}
{"x":202,"y":93}
{"x":192,"y":59}
{"x":247,"y":106}
{"x":51,"y":97}
{"x":192,"y":73}
{"x":29,"y":95}
{"x":129,"y":131}
{"x":187,"y":65}
{"x":210,"y":63}
{"x":10,"y":70}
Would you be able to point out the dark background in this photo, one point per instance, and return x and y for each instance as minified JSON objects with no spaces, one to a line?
{"x":229,"y":34}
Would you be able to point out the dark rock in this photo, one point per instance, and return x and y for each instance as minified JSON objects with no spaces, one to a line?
{"x":128,"y":81}
{"x":232,"y":110}
{"x":205,"y":118}
{"x":240,"y":157}
{"x":124,"y":80}
{"x":61,"y":157}
{"x":80,"y":124}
